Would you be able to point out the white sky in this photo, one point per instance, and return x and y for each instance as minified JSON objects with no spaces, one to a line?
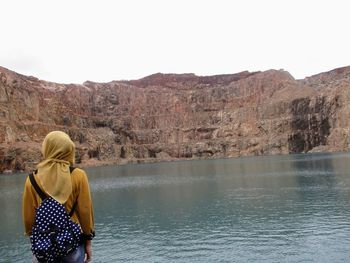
{"x":70,"y":41}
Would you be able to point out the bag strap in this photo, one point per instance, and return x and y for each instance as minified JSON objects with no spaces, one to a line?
{"x":71,"y":169}
{"x":73,"y":208}
{"x":40,"y":192}
{"x":43,"y":196}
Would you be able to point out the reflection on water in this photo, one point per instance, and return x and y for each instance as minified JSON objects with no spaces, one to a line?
{"x":259,"y":209}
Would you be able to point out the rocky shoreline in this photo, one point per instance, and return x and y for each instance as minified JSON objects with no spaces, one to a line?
{"x":165,"y":117}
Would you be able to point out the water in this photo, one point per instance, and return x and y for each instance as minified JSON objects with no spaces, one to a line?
{"x":260,"y":209}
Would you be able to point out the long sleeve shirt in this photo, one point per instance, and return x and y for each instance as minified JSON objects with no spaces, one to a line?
{"x":83,"y":214}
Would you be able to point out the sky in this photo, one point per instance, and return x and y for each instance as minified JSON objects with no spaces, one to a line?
{"x":71,"y":41}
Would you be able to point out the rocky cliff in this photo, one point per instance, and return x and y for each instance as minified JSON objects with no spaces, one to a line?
{"x":175,"y":116}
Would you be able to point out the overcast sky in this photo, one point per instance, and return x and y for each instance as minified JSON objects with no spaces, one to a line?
{"x":70,"y":41}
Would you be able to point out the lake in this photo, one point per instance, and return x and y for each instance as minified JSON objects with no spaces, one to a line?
{"x":293,"y":208}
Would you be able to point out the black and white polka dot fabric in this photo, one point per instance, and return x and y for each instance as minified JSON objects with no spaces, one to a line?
{"x":54,"y":235}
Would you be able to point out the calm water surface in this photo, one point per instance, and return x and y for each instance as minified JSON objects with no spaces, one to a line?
{"x":262,"y":209}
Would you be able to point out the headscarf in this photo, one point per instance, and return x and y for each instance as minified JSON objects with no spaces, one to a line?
{"x":53,"y":172}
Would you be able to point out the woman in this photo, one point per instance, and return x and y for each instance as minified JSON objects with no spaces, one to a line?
{"x":71,"y":189}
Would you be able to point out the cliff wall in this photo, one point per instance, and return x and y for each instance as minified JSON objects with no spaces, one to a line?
{"x":175,"y":116}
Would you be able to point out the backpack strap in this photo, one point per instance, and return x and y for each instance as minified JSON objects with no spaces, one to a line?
{"x":71,"y":169}
{"x":43,"y":196}
{"x":73,"y":208}
{"x":40,"y":192}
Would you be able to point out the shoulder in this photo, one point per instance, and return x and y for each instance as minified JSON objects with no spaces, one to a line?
{"x":79,"y":174}
{"x":78,"y":171}
{"x":28,"y":182}
{"x":29,"y":188}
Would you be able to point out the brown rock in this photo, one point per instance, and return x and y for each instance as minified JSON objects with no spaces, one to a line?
{"x":175,"y":116}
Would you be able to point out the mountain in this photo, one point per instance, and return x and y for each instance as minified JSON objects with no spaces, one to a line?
{"x":175,"y":116}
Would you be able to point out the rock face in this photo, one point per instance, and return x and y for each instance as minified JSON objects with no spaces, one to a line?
{"x":175,"y":116}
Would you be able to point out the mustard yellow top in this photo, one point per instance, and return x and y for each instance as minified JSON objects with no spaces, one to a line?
{"x":83,"y":213}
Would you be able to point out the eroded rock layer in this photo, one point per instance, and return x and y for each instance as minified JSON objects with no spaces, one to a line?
{"x":175,"y":116}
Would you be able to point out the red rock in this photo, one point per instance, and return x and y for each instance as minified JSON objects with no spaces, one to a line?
{"x":175,"y":116}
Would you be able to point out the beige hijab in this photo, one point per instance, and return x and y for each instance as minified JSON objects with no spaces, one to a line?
{"x":53,"y":172}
